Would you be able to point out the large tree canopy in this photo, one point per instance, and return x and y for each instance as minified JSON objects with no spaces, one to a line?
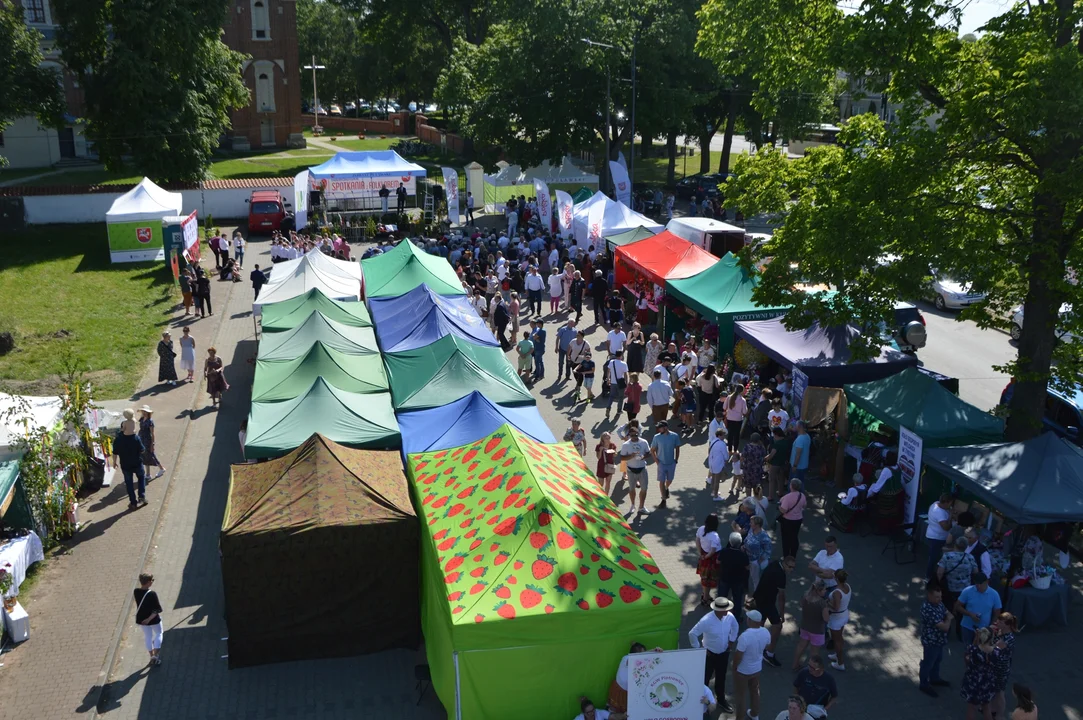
{"x":159,"y":81}
{"x":991,"y":192}
{"x":27,"y":87}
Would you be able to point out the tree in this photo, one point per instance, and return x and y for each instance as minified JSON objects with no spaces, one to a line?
{"x":28,"y":88}
{"x":158,"y":79}
{"x":991,"y":193}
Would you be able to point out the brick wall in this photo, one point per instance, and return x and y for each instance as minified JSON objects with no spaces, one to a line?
{"x":359,"y":125}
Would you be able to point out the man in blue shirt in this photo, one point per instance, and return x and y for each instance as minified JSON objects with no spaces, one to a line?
{"x":975,"y":606}
{"x":565,"y":335}
{"x":537,"y":334}
{"x":799,"y":453}
{"x":666,"y":449}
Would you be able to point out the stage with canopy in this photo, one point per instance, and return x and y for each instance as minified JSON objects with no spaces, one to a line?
{"x":421,"y":317}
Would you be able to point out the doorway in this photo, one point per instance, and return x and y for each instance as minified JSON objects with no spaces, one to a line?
{"x":267,"y":133}
{"x":67,"y":142}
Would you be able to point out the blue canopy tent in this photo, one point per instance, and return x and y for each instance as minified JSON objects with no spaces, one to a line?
{"x":357,"y":176}
{"x":464,"y":421}
{"x":823,"y":354}
{"x":421,"y":317}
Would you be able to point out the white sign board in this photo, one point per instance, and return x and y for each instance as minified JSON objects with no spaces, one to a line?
{"x":451,"y":191}
{"x":666,"y":685}
{"x":910,"y":470}
{"x":363,"y":187}
{"x":190,"y":230}
{"x":798,"y":386}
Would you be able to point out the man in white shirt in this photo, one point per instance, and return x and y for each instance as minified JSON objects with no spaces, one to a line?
{"x":747,"y":664}
{"x":685,"y":371}
{"x":554,"y":256}
{"x":556,"y":290}
{"x":881,"y":480}
{"x":718,"y":455}
{"x":826,"y":562}
{"x":616,"y":371}
{"x":534,"y":286}
{"x":936,"y":534}
{"x":978,"y":551}
{"x":469,"y":208}
{"x":480,"y":304}
{"x":659,"y":396}
{"x":718,"y":630}
{"x":634,"y":452}
{"x":616,"y":339}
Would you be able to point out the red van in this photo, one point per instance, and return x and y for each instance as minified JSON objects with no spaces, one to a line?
{"x":267,"y":212}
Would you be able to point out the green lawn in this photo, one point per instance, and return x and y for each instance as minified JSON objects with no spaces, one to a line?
{"x":56,"y":278}
{"x":7,"y":174}
{"x":87,"y":177}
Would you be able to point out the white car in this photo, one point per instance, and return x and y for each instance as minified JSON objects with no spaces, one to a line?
{"x":1016,"y":329}
{"x":950,"y":294}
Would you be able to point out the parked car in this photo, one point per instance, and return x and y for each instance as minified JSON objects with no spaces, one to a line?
{"x":268,"y":212}
{"x":699,"y":184}
{"x":336,"y":110}
{"x":951,"y":294}
{"x":1016,"y":329}
{"x":909,"y":332}
{"x":1063,"y":413}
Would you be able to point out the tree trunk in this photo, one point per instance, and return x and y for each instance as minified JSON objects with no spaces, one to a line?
{"x":1041,"y":308}
{"x":705,"y":152}
{"x":645,"y":147}
{"x":671,"y":153}
{"x":727,"y":138}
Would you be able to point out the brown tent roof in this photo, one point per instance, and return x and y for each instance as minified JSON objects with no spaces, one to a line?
{"x":320,"y":484}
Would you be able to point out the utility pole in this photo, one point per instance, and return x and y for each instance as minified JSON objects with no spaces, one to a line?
{"x":632,"y":154}
{"x":315,"y":96}
{"x":608,"y":124}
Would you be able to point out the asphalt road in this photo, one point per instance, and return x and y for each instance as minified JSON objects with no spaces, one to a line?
{"x":965,"y":351}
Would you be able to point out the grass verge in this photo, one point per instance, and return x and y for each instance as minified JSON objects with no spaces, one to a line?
{"x":58,"y":287}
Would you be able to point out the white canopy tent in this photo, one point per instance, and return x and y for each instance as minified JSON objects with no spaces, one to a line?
{"x":145,"y":201}
{"x":134,"y":222}
{"x":337,"y":279}
{"x":616,"y":218}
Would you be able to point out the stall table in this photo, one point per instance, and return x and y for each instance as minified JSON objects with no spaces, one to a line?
{"x":21,"y":553}
{"x":17,"y":623}
{"x":1034,"y":607}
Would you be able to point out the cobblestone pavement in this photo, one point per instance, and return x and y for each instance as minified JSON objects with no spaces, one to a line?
{"x":194,"y":682}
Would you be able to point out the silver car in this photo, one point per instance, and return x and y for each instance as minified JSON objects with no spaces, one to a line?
{"x":1016,"y":329}
{"x":951,"y":294}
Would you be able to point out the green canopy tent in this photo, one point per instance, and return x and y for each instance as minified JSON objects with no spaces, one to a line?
{"x":721,"y":294}
{"x":449,"y":369}
{"x":14,"y":506}
{"x":583,"y":194}
{"x":918,"y":402}
{"x":351,"y":419}
{"x":403,"y":268}
{"x":627,"y":237}
{"x":295,"y":343}
{"x":286,"y":379}
{"x":533,"y":587}
{"x":288,"y":314}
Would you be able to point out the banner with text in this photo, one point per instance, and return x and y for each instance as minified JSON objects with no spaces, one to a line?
{"x":363,"y":187}
{"x":545,"y":204}
{"x":564,"y":211}
{"x":798,"y":385}
{"x":595,"y":218}
{"x":300,"y":200}
{"x":621,"y":182}
{"x":910,"y":470}
{"x":451,"y":190}
{"x":666,"y":685}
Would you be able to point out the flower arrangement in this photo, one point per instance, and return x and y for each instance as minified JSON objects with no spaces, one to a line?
{"x":360,"y":136}
{"x":6,"y":579}
{"x":746,"y":355}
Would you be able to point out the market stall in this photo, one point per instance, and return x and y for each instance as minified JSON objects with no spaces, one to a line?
{"x":449,"y":369}
{"x":352,"y":181}
{"x":294,"y":529}
{"x":352,"y":419}
{"x":823,"y":354}
{"x":919,"y":403}
{"x":720,"y":295}
{"x":287,"y":379}
{"x":645,"y":268}
{"x":318,"y":328}
{"x":466,"y":420}
{"x":134,"y":222}
{"x":288,"y":314}
{"x":555,"y":588}
{"x":336,"y":279}
{"x":403,"y":268}
{"x":612,"y":217}
{"x":612,"y":242}
{"x":1035,"y":482}
{"x":421,"y":317}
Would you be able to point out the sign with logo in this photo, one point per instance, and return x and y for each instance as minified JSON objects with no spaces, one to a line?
{"x":621,"y":182}
{"x":798,"y":386}
{"x":190,"y":230}
{"x":545,"y":204}
{"x":300,"y":199}
{"x":666,"y":685}
{"x":451,"y":189}
{"x":564,"y":211}
{"x":363,"y":187}
{"x":143,"y":234}
{"x":910,"y":446}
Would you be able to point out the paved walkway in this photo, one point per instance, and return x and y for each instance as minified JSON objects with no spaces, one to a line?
{"x":76,"y":605}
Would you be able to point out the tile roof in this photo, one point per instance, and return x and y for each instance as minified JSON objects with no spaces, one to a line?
{"x":228,"y":184}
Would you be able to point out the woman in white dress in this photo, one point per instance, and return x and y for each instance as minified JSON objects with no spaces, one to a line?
{"x":188,"y":353}
{"x":838,"y":604}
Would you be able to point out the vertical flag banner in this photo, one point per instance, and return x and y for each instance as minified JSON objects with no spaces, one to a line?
{"x":564,"y":212}
{"x":595,"y":218}
{"x":621,"y":160}
{"x":798,"y":387}
{"x":451,"y":190}
{"x":300,"y":200}
{"x":910,"y":446}
{"x":545,"y":203}
{"x":621,"y":183}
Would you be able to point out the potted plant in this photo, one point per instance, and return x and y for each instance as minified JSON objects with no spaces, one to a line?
{"x":6,"y":581}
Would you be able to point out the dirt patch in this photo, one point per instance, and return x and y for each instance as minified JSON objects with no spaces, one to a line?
{"x":53,"y":384}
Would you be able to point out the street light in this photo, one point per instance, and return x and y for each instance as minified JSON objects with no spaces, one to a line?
{"x":315,"y":96}
{"x":607,"y":125}
{"x":632,"y":149}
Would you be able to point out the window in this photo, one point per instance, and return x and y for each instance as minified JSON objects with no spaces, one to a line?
{"x":265,"y":89}
{"x":35,"y":11}
{"x":261,"y":20}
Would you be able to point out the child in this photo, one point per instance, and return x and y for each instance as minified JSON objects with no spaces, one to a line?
{"x":738,"y":473}
{"x":688,"y":405}
{"x":584,"y":373}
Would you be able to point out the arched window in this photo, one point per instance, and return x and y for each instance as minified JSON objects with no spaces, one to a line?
{"x":265,"y":88}
{"x":261,"y":20}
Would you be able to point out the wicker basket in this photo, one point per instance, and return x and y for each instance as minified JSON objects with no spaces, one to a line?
{"x":1041,"y":583}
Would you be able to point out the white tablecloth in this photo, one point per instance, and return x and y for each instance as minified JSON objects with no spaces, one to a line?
{"x":17,"y":623}
{"x":21,"y":553}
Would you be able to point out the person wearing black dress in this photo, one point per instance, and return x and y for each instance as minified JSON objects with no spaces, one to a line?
{"x":167,"y":372}
{"x":203,"y":289}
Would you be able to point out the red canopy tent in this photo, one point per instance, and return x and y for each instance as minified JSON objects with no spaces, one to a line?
{"x":659,"y":258}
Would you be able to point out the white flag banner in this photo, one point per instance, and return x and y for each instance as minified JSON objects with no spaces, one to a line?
{"x":564,"y":212}
{"x":545,"y":204}
{"x":621,"y":183}
{"x":300,"y":200}
{"x":595,"y":218}
{"x":621,"y":160}
{"x":451,"y":190}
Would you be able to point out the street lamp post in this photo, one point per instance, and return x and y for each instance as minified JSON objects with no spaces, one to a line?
{"x":608,"y":125}
{"x":315,"y":96}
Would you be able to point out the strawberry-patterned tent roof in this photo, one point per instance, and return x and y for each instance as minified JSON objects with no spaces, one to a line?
{"x":521,"y":530}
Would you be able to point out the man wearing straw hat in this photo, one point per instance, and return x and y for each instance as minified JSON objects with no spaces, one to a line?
{"x":718,"y":630}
